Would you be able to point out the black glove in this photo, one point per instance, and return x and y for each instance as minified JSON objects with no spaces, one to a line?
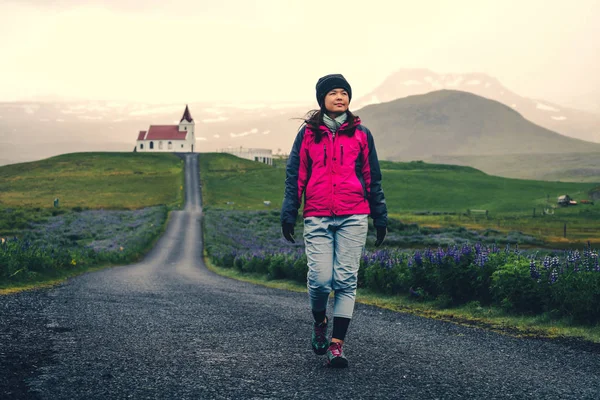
{"x":381,"y":232}
{"x":288,"y":231}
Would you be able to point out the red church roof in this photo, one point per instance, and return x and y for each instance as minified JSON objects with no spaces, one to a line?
{"x":165,"y":132}
{"x":186,"y":115}
{"x":141,"y":135}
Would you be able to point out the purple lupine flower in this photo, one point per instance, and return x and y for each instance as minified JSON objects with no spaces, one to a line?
{"x":495,"y":248}
{"x":587,"y":250}
{"x":481,"y":259}
{"x":389,"y":263}
{"x":418,"y":259}
{"x":466,"y":250}
{"x":440,"y":255}
{"x":533,"y":270}
{"x":429,"y":256}
{"x":547,"y":261}
{"x":454,"y":253}
{"x":553,"y":276}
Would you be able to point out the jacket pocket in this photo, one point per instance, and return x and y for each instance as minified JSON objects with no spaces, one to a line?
{"x":363,"y":185}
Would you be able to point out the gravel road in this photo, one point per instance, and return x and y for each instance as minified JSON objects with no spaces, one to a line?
{"x":167,"y":328}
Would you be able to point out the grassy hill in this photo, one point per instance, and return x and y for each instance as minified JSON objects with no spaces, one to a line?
{"x":450,"y":122}
{"x":428,"y":194}
{"x":94,"y":180}
{"x":413,"y":186}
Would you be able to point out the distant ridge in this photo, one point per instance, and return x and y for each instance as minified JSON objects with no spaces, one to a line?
{"x":408,"y":82}
{"x":452,"y":122}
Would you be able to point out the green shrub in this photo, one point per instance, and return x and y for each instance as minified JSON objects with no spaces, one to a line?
{"x":461,"y":282}
{"x":277,"y":267}
{"x":299,"y":269}
{"x":513,"y":288}
{"x":394,"y":280}
{"x":577,"y":295}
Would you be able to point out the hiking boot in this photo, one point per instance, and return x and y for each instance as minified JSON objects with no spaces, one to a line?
{"x":335,"y":356}
{"x":319,"y":338}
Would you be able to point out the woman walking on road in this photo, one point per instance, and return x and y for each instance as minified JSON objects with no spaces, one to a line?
{"x":334,"y":165}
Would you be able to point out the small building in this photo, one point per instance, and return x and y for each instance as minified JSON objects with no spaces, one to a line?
{"x":566,"y":200}
{"x":264,"y":156}
{"x":169,"y":138}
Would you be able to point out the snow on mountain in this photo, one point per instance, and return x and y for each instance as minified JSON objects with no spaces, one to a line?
{"x":544,"y":107}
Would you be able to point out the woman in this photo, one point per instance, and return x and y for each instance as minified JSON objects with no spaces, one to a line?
{"x":333,"y":163}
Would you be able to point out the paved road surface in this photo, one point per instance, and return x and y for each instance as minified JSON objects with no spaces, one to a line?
{"x":167,"y":328}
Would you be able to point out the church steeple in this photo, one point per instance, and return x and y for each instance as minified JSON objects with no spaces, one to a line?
{"x":186,"y":115}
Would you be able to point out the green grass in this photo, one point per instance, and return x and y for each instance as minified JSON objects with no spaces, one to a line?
{"x":459,"y":190}
{"x":489,"y":318}
{"x":94,"y":181}
{"x":411,"y":186}
{"x":226,"y":178}
{"x":417,"y":187}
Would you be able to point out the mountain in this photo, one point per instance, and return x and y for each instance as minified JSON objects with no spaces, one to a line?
{"x":451,"y":122}
{"x":567,"y":121}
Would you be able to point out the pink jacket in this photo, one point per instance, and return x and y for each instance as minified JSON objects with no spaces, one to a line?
{"x":339,"y":175}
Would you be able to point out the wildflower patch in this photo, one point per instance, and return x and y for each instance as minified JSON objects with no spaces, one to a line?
{"x":563,"y":283}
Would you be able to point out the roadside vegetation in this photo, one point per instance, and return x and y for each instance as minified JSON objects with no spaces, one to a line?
{"x":111,"y":209}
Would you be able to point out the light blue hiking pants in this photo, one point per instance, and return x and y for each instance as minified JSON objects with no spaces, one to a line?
{"x":334,"y":246}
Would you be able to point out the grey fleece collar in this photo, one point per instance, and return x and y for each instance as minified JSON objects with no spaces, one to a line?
{"x":334,"y":124}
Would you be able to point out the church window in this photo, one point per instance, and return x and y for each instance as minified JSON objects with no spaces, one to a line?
{"x":151,"y":145}
{"x":170,"y":145}
{"x":182,"y":146}
{"x":142,"y":146}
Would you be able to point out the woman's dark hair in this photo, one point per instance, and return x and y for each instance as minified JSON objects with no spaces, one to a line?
{"x":314,"y":119}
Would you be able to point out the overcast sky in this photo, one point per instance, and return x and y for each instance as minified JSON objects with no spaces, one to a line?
{"x":191,"y":50}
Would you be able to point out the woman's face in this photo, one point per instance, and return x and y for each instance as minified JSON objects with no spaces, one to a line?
{"x":337,"y":101}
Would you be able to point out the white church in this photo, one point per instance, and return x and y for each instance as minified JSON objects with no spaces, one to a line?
{"x":169,"y":138}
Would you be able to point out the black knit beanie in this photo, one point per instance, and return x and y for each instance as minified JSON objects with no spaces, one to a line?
{"x":330,"y":82}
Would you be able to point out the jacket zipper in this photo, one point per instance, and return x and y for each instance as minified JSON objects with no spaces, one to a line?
{"x":324,"y":154}
{"x":342,"y":155}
